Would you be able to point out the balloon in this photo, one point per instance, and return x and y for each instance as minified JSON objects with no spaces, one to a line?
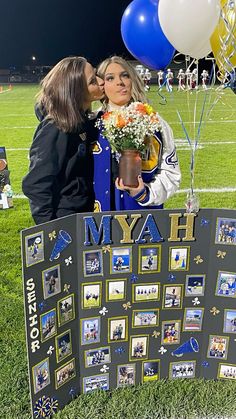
{"x":143,"y":36}
{"x":201,"y":51}
{"x":189,"y":23}
{"x":223,"y":35}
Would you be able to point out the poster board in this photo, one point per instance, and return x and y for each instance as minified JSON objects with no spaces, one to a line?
{"x":122,"y":298}
{"x":5,"y":186}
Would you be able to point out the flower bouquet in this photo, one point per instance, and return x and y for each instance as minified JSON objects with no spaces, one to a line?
{"x":127,"y":130}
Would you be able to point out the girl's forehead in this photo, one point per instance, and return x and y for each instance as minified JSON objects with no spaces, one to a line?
{"x":114,"y":68}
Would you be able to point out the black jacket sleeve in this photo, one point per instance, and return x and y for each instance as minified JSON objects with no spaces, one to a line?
{"x":46,"y":159}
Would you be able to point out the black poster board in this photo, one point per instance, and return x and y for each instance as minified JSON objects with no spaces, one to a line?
{"x":114,"y":299}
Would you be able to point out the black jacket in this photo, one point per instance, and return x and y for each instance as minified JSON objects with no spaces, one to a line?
{"x":60,"y":178}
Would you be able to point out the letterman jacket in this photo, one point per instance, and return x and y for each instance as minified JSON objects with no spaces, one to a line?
{"x":160,"y":173}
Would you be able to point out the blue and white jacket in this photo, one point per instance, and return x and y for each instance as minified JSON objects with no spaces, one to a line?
{"x":160,"y":172}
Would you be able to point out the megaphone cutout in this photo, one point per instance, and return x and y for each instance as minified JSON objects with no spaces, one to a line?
{"x":62,"y":241}
{"x":190,"y":345}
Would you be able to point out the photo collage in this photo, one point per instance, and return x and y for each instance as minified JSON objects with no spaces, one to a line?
{"x":130,"y":312}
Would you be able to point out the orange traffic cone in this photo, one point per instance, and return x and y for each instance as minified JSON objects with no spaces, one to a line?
{"x":0,"y":89}
{"x":10,"y":87}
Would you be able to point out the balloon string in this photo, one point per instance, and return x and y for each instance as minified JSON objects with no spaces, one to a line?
{"x":164,"y":101}
{"x":227,"y":19}
{"x":192,"y":153}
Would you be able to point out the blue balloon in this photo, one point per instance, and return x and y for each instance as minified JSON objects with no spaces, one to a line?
{"x":142,"y":34}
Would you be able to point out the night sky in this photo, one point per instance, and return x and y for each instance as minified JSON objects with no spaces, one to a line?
{"x":53,"y":29}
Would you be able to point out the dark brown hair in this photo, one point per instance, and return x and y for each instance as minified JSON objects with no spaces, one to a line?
{"x":64,"y":93}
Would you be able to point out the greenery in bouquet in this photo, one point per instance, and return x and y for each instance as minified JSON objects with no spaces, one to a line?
{"x":128,"y":127}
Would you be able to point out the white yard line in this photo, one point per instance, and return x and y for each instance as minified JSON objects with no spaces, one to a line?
{"x":17,"y":149}
{"x":209,"y":190}
{"x":203,"y":190}
{"x":220,"y":142}
{"x":20,"y":115}
{"x":178,"y":141}
{"x":232,"y":121}
{"x":221,"y":121}
{"x":23,"y":127}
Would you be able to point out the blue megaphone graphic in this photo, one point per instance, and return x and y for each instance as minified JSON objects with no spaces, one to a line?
{"x":62,"y":241}
{"x":190,"y":345}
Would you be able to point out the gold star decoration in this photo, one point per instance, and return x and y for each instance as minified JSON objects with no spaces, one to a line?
{"x":221,"y":254}
{"x":106,"y":249}
{"x":214,"y":311}
{"x":155,"y":334}
{"x":198,"y":259}
{"x":127,"y":305}
{"x":52,"y":235}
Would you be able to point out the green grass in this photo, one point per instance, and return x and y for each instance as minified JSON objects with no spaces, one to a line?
{"x":214,"y":168}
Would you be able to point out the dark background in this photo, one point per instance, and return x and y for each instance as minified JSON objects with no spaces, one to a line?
{"x":53,"y":29}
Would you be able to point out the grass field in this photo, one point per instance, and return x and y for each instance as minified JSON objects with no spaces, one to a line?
{"x":215,"y":179}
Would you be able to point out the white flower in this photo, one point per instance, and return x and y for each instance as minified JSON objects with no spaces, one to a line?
{"x":68,"y":261}
{"x":195,"y":301}
{"x":103,"y":311}
{"x":127,"y":127}
{"x":105,"y":368}
{"x":162,"y":350}
{"x":50,"y":350}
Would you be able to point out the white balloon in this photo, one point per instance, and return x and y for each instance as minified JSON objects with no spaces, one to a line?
{"x":201,"y":52}
{"x":188,"y":24}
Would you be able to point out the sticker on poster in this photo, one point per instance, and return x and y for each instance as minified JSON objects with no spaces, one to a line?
{"x":172,"y":296}
{"x":65,"y":373}
{"x":184,"y":369}
{"x":226,"y":284}
{"x":117,"y":329}
{"x":218,"y":347}
{"x":193,"y":318}
{"x":146,"y":292}
{"x":91,"y":295}
{"x":179,"y":258}
{"x":149,"y":259}
{"x":121,"y":260}
{"x":195,"y":285}
{"x":126,"y":375}
{"x":34,"y":249}
{"x":51,"y":281}
{"x":170,"y":332}
{"x":150,"y":370}
{"x":138,"y":347}
{"x":63,"y":345}
{"x":97,"y":356}
{"x":90,"y":330}
{"x":225,"y":231}
{"x":96,"y":382}
{"x":66,"y":309}
{"x":116,"y":289}
{"x":48,"y":325}
{"x":229,"y":321}
{"x":145,"y":317}
{"x":41,"y":375}
{"x":227,"y":371}
{"x":93,"y":263}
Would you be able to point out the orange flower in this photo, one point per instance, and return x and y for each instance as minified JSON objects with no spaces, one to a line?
{"x":141,"y":108}
{"x":106,"y":115}
{"x":120,"y":121}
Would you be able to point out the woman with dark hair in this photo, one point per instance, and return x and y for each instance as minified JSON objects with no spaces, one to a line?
{"x":60,"y":178}
{"x":160,"y":177}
